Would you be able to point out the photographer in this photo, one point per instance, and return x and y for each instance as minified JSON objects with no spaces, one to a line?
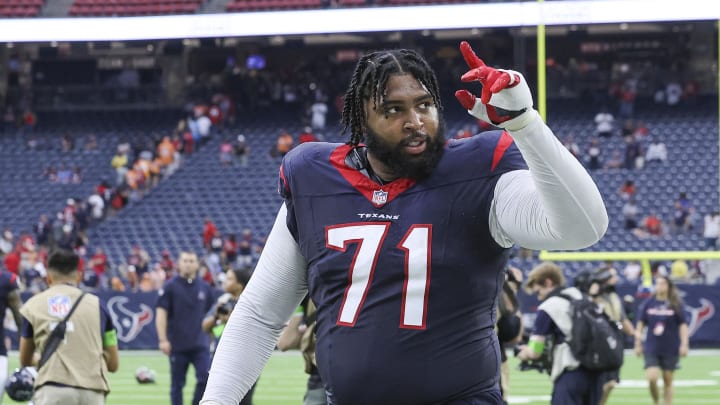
{"x":572,"y":384}
{"x":215,"y":321}
{"x":509,"y":325}
{"x":604,"y":294}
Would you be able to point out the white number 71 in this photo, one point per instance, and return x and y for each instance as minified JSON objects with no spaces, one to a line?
{"x":369,"y":238}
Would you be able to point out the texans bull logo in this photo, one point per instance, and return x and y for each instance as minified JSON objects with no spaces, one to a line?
{"x":700,"y":315}
{"x":128,"y":322}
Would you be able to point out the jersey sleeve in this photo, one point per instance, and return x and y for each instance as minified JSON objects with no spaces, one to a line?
{"x":26,"y":330}
{"x":164,"y":299}
{"x":555,"y":204}
{"x":543,"y":324}
{"x":107,"y":328}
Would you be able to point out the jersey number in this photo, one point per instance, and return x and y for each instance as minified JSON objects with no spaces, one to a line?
{"x":369,"y":238}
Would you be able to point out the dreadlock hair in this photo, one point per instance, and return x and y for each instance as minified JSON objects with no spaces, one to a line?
{"x":369,"y":81}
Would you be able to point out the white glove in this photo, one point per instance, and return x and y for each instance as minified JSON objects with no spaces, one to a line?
{"x":505,"y":100}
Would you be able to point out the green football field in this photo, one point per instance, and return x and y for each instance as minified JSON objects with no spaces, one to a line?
{"x":283,"y":381}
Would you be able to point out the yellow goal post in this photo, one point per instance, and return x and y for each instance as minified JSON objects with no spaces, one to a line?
{"x":643,"y":257}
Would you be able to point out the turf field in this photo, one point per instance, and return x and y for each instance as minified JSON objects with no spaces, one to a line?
{"x":283,"y":382}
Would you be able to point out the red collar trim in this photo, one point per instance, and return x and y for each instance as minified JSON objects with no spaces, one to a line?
{"x":377,"y":194}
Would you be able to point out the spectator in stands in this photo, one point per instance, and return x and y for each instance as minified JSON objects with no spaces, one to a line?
{"x":627,"y":190}
{"x":167,"y":264}
{"x":7,"y":242}
{"x":318,"y":112}
{"x":166,"y":152}
{"x":630,"y":212}
{"x":242,"y":150}
{"x":91,"y":144}
{"x":229,"y":251}
{"x":307,"y":136}
{"x":64,"y":174}
{"x":604,"y":123}
{"x":226,"y":152}
{"x":632,"y":271}
{"x":29,"y":120}
{"x":573,"y":147}
{"x":120,"y":162}
{"x":77,"y":175}
{"x":283,"y":145}
{"x":209,"y":230}
{"x":673,"y":93}
{"x":246,"y":246}
{"x":615,"y":162}
{"x":656,"y":152}
{"x":651,"y":226}
{"x":679,"y":270}
{"x":681,"y":218}
{"x":139,"y":260}
{"x":593,"y":155}
{"x":67,"y":143}
{"x":627,"y":129}
{"x":98,"y":264}
{"x":43,"y":231}
{"x":627,"y":100}
{"x":50,"y":173}
{"x":634,"y":158}
{"x":711,"y":229}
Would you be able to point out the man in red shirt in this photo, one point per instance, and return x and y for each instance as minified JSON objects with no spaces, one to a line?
{"x":208,"y":232}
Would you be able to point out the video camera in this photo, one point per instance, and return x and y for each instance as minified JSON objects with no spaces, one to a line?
{"x":225,"y":308}
{"x":541,"y":365}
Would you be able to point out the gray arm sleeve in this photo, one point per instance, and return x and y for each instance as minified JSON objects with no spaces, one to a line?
{"x":276,"y":288}
{"x":554,"y":205}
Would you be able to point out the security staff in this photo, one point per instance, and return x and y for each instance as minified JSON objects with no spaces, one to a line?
{"x":572,"y":384}
{"x":182,"y":304}
{"x":76,"y":373}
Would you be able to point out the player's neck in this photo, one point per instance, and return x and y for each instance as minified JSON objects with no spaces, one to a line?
{"x":380,"y":170}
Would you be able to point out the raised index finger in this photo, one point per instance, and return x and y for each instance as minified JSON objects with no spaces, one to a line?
{"x":470,"y":58}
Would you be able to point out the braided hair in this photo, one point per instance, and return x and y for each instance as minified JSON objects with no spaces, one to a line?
{"x":369,"y":82}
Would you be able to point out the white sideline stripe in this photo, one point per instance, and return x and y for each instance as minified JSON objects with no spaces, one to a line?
{"x":517,"y":399}
{"x":676,"y":383}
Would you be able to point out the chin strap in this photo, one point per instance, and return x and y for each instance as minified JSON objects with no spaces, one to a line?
{"x":357,"y":159}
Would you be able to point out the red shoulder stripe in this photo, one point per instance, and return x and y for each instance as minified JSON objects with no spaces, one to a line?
{"x":502,"y":145}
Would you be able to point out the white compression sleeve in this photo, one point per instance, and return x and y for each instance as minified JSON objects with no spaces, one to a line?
{"x":276,"y":288}
{"x":554,"y":205}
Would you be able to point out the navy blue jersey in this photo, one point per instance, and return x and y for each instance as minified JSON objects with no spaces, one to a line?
{"x":186,"y":304}
{"x":663,"y":326}
{"x":8,"y":283}
{"x":405,"y":275}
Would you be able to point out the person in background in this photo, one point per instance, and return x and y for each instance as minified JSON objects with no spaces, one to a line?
{"x":661,"y":336}
{"x":76,"y":373}
{"x":215,"y":320}
{"x":181,"y":307}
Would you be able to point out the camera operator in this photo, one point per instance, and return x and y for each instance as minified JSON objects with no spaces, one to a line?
{"x":572,"y":384}
{"x":509,"y":325}
{"x":215,"y":320}
{"x":606,"y":279}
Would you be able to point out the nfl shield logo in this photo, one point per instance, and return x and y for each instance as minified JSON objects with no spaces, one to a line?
{"x":59,"y":306}
{"x":379,"y":197}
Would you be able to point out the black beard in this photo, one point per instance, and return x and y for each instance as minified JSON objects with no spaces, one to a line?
{"x":403,"y":164}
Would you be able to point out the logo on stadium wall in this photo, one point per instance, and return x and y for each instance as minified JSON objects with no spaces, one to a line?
{"x":129,"y":323}
{"x":698,"y":316}
{"x":379,"y":197}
